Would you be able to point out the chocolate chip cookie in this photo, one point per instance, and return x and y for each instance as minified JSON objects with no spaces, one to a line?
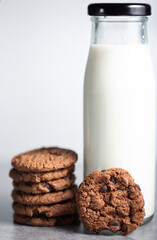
{"x":45,"y":187}
{"x":44,"y":159}
{"x":42,"y":199}
{"x":43,"y":221}
{"x":110,"y":200}
{"x":55,"y":210}
{"x":40,"y":177}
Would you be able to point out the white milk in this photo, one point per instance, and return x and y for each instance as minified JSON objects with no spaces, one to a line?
{"x":119,"y":114}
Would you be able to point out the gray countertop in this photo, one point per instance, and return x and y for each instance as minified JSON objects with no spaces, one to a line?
{"x":9,"y":230}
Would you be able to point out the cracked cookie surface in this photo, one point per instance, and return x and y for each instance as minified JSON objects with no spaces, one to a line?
{"x":44,"y":159}
{"x":110,"y":200}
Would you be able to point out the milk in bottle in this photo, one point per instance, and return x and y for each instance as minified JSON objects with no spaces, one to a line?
{"x":119,"y":97}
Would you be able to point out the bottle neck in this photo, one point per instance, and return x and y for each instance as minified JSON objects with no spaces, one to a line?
{"x":119,"y":30}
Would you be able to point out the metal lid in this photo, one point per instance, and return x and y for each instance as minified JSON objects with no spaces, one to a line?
{"x":119,"y":9}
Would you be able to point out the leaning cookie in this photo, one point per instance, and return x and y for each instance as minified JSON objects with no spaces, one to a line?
{"x":55,"y":210}
{"x":47,"y":222}
{"x":40,"y":176}
{"x":45,"y":187}
{"x":42,"y":199}
{"x":44,"y":159}
{"x":110,"y":200}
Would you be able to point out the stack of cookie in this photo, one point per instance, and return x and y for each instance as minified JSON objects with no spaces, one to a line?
{"x":44,"y":190}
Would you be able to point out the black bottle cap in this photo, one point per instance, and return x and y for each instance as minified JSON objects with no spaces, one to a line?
{"x":119,"y":9}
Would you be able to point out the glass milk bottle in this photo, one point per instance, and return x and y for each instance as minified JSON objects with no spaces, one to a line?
{"x":119,"y":96}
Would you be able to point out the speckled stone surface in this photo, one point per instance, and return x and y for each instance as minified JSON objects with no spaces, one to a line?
{"x":11,"y":231}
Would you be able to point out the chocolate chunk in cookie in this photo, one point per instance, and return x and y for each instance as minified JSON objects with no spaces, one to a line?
{"x":42,"y":214}
{"x":103,"y":189}
{"x":110,"y":200}
{"x":48,"y":187}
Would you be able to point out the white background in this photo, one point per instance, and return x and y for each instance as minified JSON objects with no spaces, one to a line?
{"x":43,"y":51}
